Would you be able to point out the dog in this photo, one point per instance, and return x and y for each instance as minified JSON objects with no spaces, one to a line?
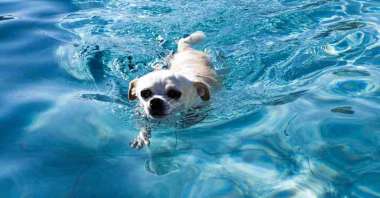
{"x":188,"y":81}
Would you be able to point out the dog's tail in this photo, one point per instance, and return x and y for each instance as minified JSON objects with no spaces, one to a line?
{"x":185,"y":43}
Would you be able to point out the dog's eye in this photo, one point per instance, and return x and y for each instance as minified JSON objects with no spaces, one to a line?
{"x":174,"y":94}
{"x":146,"y":93}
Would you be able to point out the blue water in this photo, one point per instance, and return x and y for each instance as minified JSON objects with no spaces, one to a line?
{"x":298,"y":114}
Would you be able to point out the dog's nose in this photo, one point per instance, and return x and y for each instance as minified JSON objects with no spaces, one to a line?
{"x":157,"y":106}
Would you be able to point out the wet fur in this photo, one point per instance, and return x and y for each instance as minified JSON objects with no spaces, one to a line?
{"x":189,"y":71}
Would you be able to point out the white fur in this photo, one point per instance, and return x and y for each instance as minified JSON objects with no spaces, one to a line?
{"x":194,"y":38}
{"x":189,"y":72}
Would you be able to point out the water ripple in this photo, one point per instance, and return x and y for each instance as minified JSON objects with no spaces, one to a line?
{"x":297,"y":115}
{"x":301,"y":79}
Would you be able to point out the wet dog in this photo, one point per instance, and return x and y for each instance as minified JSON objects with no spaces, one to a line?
{"x":188,"y":82}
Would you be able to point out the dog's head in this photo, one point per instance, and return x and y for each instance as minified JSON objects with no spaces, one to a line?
{"x":163,"y":93}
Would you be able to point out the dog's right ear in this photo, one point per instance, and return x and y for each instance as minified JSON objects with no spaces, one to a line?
{"x":132,"y":95}
{"x":202,"y":90}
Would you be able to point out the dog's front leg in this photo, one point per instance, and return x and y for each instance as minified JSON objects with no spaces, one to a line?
{"x":142,"y":139}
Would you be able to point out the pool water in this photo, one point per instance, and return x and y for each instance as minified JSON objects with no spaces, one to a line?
{"x":298,"y":114}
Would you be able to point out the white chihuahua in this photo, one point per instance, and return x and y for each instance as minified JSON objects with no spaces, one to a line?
{"x":186,"y":83}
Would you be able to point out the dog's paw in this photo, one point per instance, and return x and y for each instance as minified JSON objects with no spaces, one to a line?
{"x":140,"y":141}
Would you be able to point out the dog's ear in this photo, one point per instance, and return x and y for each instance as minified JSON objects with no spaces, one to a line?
{"x":202,"y":90}
{"x":132,"y":95}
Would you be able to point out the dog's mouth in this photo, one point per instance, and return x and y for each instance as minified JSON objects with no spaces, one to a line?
{"x":158,"y":115}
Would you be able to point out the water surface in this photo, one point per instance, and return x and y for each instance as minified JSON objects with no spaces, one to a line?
{"x":298,"y":114}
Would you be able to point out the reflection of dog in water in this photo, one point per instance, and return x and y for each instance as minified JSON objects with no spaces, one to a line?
{"x":186,"y":84}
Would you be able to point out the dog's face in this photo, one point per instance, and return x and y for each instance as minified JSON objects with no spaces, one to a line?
{"x":163,"y":93}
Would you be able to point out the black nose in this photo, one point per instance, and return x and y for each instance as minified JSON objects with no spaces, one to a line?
{"x":157,"y":106}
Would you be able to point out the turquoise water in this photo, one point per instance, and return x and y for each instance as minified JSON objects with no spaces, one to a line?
{"x":298,"y":114}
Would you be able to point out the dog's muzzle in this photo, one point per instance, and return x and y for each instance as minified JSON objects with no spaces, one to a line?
{"x":157,"y":108}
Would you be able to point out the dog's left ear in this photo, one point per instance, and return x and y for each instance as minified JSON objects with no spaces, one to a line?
{"x":202,"y":90}
{"x":132,"y":90}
